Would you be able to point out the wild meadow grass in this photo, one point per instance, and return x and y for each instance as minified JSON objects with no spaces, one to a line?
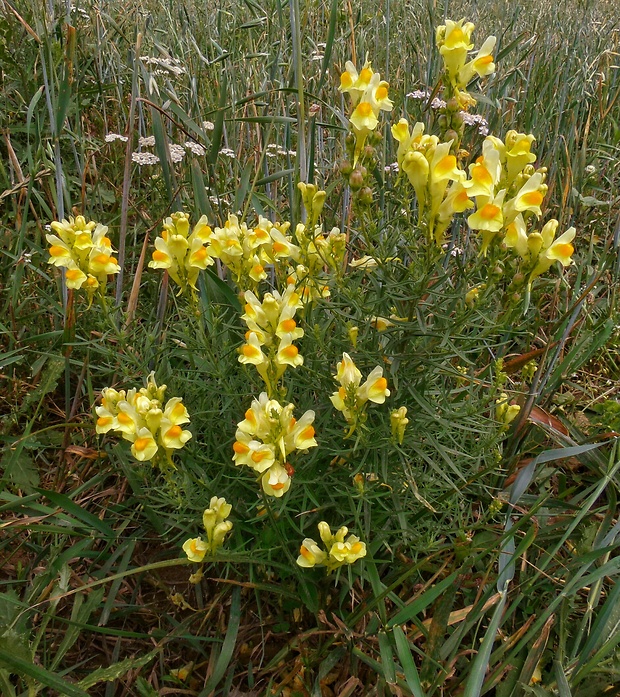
{"x":481,"y":550}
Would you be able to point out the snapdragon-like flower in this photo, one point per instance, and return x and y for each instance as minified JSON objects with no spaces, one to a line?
{"x":433,"y":171}
{"x":338,"y":550}
{"x":182,"y":254}
{"x":247,"y":251}
{"x":454,"y":42}
{"x":351,"y":397}
{"x":85,"y":251}
{"x":369,"y":96}
{"x":267,"y":436}
{"x":272,"y":329}
{"x":140,"y":417}
{"x":216,"y":526}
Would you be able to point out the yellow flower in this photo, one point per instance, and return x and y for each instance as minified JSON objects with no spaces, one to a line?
{"x":516,"y":237}
{"x":144,"y":446}
{"x":338,"y":550}
{"x":482,"y":64}
{"x":518,"y":153}
{"x":552,"y":250}
{"x":453,"y":40}
{"x":531,"y":194}
{"x":173,"y":436}
{"x":310,"y":554}
{"x":489,"y":216}
{"x":288,"y":353}
{"x":348,"y":552}
{"x":181,"y":254}
{"x":485,"y":173}
{"x":195,"y":549}
{"x":267,"y":436}
{"x":374,"y":389}
{"x":276,"y":481}
{"x":347,"y":373}
{"x":85,"y":251}
{"x":365,"y":262}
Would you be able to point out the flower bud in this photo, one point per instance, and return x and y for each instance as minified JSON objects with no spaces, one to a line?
{"x":356,"y":180}
{"x":365,"y":196}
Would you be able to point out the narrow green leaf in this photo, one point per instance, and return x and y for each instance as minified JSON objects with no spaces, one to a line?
{"x":560,"y":678}
{"x":407,"y":662}
{"x":90,"y":520}
{"x":117,"y":670}
{"x":228,"y":646}
{"x":387,"y":658}
{"x":20,"y":666}
{"x":419,"y":604}
{"x":216,"y":136}
{"x":473,"y":687}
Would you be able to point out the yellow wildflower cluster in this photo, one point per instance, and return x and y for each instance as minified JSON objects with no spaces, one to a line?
{"x":338,"y":551}
{"x":271,"y":326}
{"x":351,"y":397}
{"x":182,"y":254}
{"x":433,"y":171}
{"x":85,"y":251}
{"x":267,"y":436}
{"x":508,"y":192}
{"x":139,"y":417}
{"x":369,"y":96}
{"x":506,"y":188}
{"x":216,"y":526}
{"x":317,"y":251}
{"x":454,"y":42}
{"x":246,"y":251}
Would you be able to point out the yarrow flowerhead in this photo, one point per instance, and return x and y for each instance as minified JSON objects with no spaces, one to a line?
{"x":140,"y":417}
{"x":85,"y":251}
{"x":338,"y":550}
{"x":267,"y":436}
{"x":216,"y":527}
{"x":182,"y":254}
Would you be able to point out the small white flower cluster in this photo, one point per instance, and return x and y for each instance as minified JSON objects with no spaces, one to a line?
{"x":177,"y":152}
{"x":476,"y":120}
{"x":468,"y":119}
{"x":144,"y":158}
{"x":391,"y":168}
{"x":111,"y":137}
{"x":425,"y":94}
{"x":419,"y":94}
{"x":228,"y":152}
{"x":80,"y":11}
{"x":208,"y":125}
{"x":171,"y":65}
{"x":274,"y":150}
{"x":196,"y":148}
{"x":146,"y":141}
